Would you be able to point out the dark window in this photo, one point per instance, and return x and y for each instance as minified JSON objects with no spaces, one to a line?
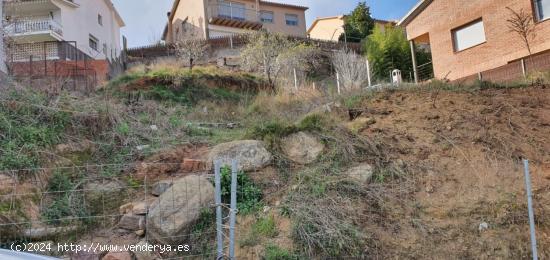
{"x":94,"y":42}
{"x":542,"y":7}
{"x":291,"y":19}
{"x":266,"y":16}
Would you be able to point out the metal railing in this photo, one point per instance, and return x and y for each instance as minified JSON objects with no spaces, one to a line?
{"x":233,"y":11}
{"x":32,"y":26}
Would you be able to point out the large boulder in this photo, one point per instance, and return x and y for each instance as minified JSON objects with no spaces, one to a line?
{"x":172,"y":216}
{"x":302,"y":148}
{"x":250,"y":154}
{"x":361,"y":173}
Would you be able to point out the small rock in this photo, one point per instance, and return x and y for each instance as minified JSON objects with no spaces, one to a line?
{"x":117,"y":256}
{"x":483,"y":226}
{"x":132,"y":222}
{"x":140,"y":232}
{"x":140,"y":208}
{"x":302,"y":148}
{"x":134,"y":208}
{"x":154,"y":127}
{"x":361,"y":173}
{"x":160,"y":187}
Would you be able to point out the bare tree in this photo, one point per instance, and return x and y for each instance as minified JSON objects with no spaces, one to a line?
{"x":351,"y":68}
{"x":263,"y":52}
{"x":522,"y":24}
{"x":191,"y":49}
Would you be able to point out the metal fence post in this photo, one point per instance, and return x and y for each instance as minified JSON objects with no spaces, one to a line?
{"x":338,"y":81}
{"x":233,"y":211}
{"x":295,"y":80}
{"x":523,"y":68}
{"x":368,"y":73}
{"x":217,"y":181}
{"x":530,"y":206}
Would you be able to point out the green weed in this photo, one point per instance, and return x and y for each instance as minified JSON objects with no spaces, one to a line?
{"x":273,"y":252}
{"x":248,"y":194}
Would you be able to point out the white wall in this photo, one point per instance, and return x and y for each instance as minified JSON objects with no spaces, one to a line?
{"x":78,"y":23}
{"x":2,"y":55}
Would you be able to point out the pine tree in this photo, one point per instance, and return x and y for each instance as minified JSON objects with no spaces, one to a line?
{"x":358,"y":25}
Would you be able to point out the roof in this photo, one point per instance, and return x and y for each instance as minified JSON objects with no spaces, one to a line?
{"x":284,"y":5}
{"x":318,"y":19}
{"x":117,"y":15}
{"x":414,"y":12}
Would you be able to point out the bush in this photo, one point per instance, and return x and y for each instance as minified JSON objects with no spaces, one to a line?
{"x":265,"y":226}
{"x":248,"y":194}
{"x":65,"y":203}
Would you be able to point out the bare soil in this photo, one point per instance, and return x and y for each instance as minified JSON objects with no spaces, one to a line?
{"x":467,"y":149}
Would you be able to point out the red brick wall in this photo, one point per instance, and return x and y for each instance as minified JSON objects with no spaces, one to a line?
{"x":501,"y":47}
{"x":98,"y":68}
{"x":513,"y":71}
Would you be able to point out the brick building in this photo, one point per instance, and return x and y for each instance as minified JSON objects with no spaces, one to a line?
{"x":471,"y":36}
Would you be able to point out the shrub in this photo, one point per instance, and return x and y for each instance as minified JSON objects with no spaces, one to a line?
{"x":248,"y":194}
{"x":265,"y":226}
{"x":273,"y":252}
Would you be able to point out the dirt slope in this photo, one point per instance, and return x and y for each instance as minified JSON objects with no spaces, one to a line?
{"x":468,"y":148}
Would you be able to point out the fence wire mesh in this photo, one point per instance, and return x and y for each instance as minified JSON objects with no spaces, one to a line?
{"x":97,"y":209}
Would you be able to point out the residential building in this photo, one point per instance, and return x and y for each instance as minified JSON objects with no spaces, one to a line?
{"x":63,"y":29}
{"x":331,"y":28}
{"x":468,"y":37}
{"x":217,"y":18}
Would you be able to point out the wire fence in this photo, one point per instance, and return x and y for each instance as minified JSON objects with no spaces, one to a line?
{"x":108,"y":206}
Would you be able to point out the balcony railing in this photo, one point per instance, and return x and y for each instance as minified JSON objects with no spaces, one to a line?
{"x":34,"y":26}
{"x":234,"y":15}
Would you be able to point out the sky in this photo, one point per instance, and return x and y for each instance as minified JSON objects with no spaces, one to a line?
{"x":145,"y":19}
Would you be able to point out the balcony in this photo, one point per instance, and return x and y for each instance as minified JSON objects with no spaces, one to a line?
{"x":234,"y":15}
{"x":35,"y":30}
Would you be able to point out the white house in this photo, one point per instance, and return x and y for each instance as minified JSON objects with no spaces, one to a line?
{"x":38,"y":28}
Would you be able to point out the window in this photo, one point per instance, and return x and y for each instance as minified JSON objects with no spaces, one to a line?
{"x":232,"y":10}
{"x":291,"y":19}
{"x":100,"y":19}
{"x":266,"y":16}
{"x":94,"y":42}
{"x":469,"y":35}
{"x":542,"y":7}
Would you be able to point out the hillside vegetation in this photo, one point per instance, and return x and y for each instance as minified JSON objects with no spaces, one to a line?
{"x":440,"y":171}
